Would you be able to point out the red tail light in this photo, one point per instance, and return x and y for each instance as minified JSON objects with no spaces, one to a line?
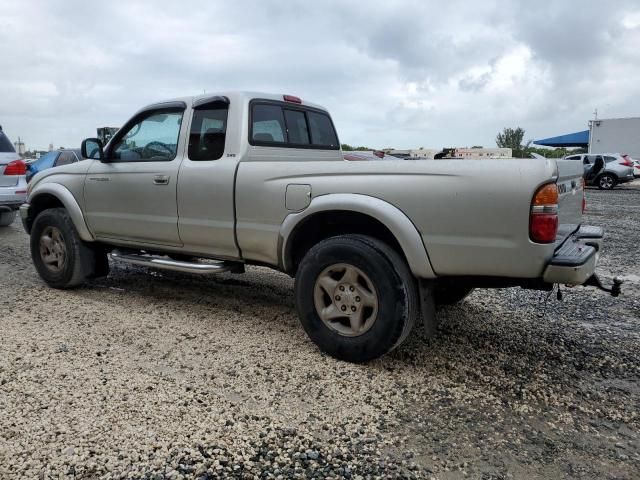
{"x":627,"y":163}
{"x":543,"y":220}
{"x":17,"y":167}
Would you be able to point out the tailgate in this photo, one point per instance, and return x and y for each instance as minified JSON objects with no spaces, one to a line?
{"x":570,"y":191}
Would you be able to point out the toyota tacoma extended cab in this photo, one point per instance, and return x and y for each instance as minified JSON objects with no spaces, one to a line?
{"x":212,"y":183}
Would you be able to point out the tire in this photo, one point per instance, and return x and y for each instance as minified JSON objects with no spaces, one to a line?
{"x":387,"y":317}
{"x":606,"y":182}
{"x":450,"y":293}
{"x":61,"y":258}
{"x":7,"y":218}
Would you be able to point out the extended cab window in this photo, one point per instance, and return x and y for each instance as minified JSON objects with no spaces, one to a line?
{"x":283,"y":125}
{"x":208,"y":132}
{"x":154,"y":137}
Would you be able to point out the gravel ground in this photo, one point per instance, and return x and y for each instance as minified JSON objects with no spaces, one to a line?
{"x":149,"y":375}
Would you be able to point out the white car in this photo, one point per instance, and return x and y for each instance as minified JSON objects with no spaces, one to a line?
{"x":13,"y":182}
{"x":636,"y":165}
{"x":617,"y":169}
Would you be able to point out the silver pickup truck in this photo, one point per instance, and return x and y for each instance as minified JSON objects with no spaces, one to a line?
{"x":213,"y":183}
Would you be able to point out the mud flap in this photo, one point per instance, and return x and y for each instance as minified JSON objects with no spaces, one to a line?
{"x":428,"y":307}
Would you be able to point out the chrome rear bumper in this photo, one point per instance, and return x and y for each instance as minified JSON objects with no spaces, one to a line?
{"x":575,"y":261}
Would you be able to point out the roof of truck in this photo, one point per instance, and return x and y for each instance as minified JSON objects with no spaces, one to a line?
{"x":234,"y":96}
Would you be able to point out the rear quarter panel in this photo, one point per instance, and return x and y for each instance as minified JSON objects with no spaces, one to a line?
{"x":473,"y":215}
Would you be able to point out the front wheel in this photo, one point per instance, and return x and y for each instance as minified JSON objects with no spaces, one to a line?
{"x":356,"y":297}
{"x":61,"y":258}
{"x":606,"y":182}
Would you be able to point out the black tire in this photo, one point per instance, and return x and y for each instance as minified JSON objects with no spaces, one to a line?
{"x":7,"y":218}
{"x":397,"y":296}
{"x":450,"y":293}
{"x":607,"y":181}
{"x":81,"y":260}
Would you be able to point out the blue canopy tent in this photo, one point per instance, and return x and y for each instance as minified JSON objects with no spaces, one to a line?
{"x":577,"y":139}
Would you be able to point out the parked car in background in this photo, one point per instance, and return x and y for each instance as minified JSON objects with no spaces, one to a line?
{"x":636,"y":165}
{"x":617,"y":169}
{"x":53,"y":159}
{"x":13,"y":184}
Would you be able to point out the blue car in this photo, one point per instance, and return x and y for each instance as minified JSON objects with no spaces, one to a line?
{"x":53,"y":159}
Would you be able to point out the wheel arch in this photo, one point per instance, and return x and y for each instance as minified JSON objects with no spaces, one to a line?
{"x":336,"y":214}
{"x":54,"y":195}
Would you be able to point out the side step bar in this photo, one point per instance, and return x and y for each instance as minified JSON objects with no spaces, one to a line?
{"x":170,"y":264}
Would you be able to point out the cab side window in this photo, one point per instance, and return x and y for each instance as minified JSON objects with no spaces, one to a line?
{"x":208,"y":132}
{"x":153,"y":137}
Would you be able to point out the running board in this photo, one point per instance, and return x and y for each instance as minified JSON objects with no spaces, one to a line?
{"x":170,"y":264}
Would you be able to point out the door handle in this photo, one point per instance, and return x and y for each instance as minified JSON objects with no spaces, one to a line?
{"x":161,"y":180}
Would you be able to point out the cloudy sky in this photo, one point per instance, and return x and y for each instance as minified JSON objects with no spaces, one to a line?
{"x":393,"y":73}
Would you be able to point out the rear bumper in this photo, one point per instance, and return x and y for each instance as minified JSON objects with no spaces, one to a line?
{"x":627,"y":178}
{"x":575,"y":261}
{"x":15,"y":195}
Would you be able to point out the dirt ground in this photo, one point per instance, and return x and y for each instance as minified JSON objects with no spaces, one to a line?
{"x":161,"y":375}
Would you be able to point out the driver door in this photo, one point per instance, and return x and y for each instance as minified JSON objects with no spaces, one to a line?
{"x":130,"y":196}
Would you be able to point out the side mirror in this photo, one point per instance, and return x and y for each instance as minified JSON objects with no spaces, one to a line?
{"x":92,"y":148}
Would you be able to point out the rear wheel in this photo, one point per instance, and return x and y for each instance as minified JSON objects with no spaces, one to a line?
{"x":61,"y":258}
{"x":356,"y":297}
{"x":7,"y":218}
{"x":606,"y":182}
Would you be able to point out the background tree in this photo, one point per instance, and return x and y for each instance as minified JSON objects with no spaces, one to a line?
{"x":512,"y":138}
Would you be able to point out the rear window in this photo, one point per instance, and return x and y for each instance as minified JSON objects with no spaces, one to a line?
{"x":322,"y":132}
{"x":282,"y":125}
{"x":297,"y":127}
{"x":268,"y":124}
{"x":5,"y":144}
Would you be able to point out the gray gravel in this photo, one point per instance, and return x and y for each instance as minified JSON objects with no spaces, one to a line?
{"x":156,"y":375}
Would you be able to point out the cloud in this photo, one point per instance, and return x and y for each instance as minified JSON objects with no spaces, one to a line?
{"x":406,"y":73}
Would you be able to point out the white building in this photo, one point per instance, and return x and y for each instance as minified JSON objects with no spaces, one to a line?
{"x":460,"y":152}
{"x":479,"y":153}
{"x":413,"y":153}
{"x":20,"y":147}
{"x":615,"y":135}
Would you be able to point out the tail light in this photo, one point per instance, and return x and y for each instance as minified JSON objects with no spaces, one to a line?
{"x":626,"y":161}
{"x":291,"y":98}
{"x":17,"y":167}
{"x":543,"y":220}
